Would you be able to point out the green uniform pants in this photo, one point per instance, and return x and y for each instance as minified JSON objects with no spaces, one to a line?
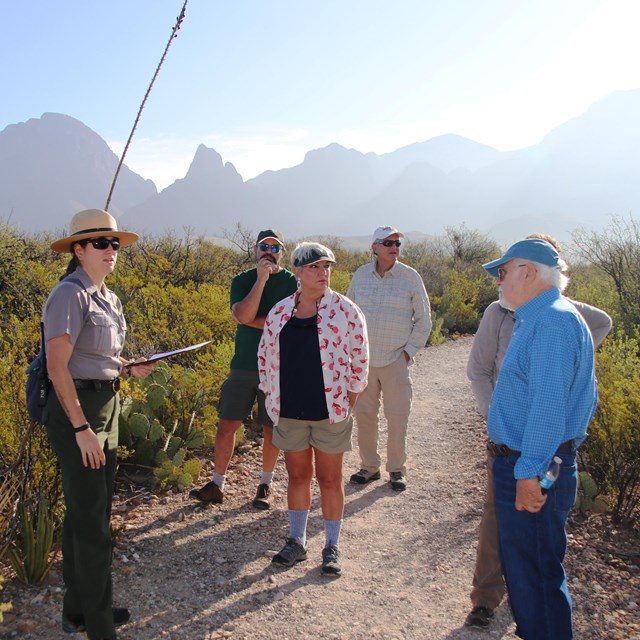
{"x":86,"y":541}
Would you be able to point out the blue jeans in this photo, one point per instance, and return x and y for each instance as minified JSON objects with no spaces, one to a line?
{"x":532,"y":548}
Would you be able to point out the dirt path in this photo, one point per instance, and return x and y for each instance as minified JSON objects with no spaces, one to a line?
{"x":202,"y":574}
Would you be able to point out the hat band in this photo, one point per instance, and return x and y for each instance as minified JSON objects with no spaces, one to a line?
{"x":77,"y":233}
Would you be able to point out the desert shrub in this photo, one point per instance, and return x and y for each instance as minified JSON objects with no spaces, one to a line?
{"x":179,"y":261}
{"x":451,"y":268}
{"x":589,"y":284}
{"x":616,"y":253}
{"x":26,"y":459}
{"x":163,"y":318}
{"x":611,"y":452}
{"x":459,"y":302}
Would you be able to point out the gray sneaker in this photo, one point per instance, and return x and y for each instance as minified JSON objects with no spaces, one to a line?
{"x":398,"y":481}
{"x":291,"y":553}
{"x":363,"y":476}
{"x":331,"y":561}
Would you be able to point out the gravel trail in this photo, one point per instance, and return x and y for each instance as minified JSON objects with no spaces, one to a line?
{"x":194,"y":573}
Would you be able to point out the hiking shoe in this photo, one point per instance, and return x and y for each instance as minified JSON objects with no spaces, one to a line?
{"x":363,"y":476}
{"x":331,"y":561}
{"x":480,"y":618}
{"x":291,"y":553}
{"x":75,"y":624}
{"x":398,"y":481}
{"x":209,"y":493}
{"x":264,"y":497}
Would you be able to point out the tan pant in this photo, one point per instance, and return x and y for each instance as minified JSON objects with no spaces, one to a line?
{"x":394,"y":384}
{"x":488,"y":584}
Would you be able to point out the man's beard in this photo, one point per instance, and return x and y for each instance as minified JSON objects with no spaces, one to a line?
{"x":503,"y":303}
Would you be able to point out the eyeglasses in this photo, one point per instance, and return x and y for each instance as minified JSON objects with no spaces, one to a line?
{"x":389,"y":243}
{"x":274,"y":248}
{"x":502,"y":272}
{"x":102,"y":243}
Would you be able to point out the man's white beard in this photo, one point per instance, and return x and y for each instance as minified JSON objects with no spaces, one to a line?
{"x":503,"y":303}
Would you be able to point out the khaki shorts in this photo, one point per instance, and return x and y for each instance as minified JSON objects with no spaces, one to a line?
{"x":297,"y":435}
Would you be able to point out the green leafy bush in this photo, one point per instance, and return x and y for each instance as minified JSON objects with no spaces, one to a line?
{"x":611,"y":452}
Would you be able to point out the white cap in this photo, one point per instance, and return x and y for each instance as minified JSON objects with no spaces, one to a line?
{"x":382,"y":233}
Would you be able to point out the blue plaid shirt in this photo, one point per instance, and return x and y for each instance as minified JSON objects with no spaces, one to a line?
{"x":547,"y":391}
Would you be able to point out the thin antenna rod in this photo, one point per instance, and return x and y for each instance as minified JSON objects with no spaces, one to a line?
{"x":174,"y":34}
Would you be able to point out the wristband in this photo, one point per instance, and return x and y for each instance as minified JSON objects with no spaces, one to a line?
{"x":82,"y":427}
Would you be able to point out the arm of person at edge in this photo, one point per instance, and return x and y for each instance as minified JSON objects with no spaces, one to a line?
{"x":59,"y":350}
{"x":598,"y":321}
{"x":549,"y":377}
{"x":421,"y":320}
{"x":245,"y":311}
{"x":482,"y":359}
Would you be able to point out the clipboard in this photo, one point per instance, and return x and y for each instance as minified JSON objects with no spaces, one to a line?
{"x":168,"y":354}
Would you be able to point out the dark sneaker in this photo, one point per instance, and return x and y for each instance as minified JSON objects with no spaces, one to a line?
{"x":398,"y":481}
{"x":291,"y":553}
{"x":75,"y":624}
{"x":209,"y":493}
{"x":331,"y":561}
{"x":264,"y":497}
{"x":480,"y":618}
{"x":363,"y":476}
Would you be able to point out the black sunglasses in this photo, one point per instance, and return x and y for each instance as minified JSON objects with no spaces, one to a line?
{"x":102,"y":243}
{"x":274,"y":248}
{"x":389,"y":243}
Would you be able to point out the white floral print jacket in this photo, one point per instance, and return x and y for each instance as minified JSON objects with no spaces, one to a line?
{"x":344,"y":352}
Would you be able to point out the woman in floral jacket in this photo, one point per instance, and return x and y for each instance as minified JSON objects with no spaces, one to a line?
{"x":313,"y":361}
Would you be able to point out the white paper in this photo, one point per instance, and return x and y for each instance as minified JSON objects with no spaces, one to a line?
{"x":168,"y":354}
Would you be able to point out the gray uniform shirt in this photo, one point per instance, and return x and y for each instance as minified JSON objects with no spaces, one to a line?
{"x":492,"y":340}
{"x":94,"y":322}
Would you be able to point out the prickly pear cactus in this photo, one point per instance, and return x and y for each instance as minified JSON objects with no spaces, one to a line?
{"x":158,"y":420}
{"x":156,"y":395}
{"x":588,"y":485}
{"x":138,"y":425}
{"x":587,"y":492}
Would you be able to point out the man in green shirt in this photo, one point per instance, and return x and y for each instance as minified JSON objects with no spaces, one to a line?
{"x":253,"y":293}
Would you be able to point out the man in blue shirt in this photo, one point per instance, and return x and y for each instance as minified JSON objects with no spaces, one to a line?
{"x":544,"y":399}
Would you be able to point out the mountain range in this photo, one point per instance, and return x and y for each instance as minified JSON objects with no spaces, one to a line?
{"x":578,"y":175}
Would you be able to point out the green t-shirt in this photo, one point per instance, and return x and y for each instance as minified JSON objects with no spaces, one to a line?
{"x":277,"y":287}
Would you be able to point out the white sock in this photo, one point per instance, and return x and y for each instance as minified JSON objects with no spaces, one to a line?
{"x":219,"y":480}
{"x":266,"y":477}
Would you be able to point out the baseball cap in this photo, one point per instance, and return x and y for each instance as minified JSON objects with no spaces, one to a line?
{"x":532,"y":249}
{"x":310,"y":253}
{"x":270,"y":234}
{"x":382,"y":233}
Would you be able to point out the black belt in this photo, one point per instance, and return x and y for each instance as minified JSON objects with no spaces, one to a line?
{"x":97,"y":385}
{"x":501,"y":450}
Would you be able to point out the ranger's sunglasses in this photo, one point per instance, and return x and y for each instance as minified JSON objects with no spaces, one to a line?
{"x":102,"y":243}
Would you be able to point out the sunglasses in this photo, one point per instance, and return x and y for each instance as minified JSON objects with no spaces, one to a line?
{"x":502,"y":272}
{"x":389,"y":243}
{"x":274,"y":248}
{"x":102,"y":243}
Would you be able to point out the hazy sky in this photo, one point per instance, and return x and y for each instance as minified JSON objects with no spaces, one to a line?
{"x":265,"y":81}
